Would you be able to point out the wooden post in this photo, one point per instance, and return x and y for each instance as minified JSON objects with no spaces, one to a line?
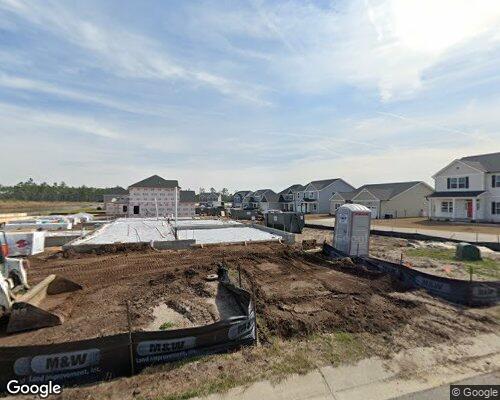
{"x":130,"y":344}
{"x":239,"y":275}
{"x":471,"y":271}
{"x":401,"y":260}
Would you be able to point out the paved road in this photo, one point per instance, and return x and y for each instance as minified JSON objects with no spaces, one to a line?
{"x":443,"y":392}
{"x":470,"y":237}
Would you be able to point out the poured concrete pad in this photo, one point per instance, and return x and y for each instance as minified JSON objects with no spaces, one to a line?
{"x":147,"y":230}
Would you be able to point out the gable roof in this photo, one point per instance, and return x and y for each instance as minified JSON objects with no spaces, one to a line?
{"x":260,"y":192}
{"x":242,"y":193}
{"x":293,"y":189}
{"x":346,"y":195}
{"x":155,"y":181}
{"x":382,"y":191}
{"x":484,"y":162}
{"x":321,"y":184}
{"x":386,"y":191}
{"x":271,"y":196}
{"x":187,"y":196}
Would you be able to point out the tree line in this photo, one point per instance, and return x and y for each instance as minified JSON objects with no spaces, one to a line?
{"x":32,"y":191}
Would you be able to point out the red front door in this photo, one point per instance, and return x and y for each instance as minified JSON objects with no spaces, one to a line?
{"x":469,"y":208}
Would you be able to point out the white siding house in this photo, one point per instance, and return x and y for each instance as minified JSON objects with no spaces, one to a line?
{"x":468,"y":189}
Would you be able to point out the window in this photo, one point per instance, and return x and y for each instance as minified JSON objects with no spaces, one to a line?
{"x":495,"y":181}
{"x":458,"y":183}
{"x":125,"y":209}
{"x":337,"y":205}
{"x":495,"y":208}
{"x":446,"y":206}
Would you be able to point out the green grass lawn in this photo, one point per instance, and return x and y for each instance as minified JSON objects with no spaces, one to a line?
{"x":485,"y":267}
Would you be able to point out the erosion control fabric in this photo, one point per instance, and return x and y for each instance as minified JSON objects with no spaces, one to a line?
{"x":87,"y":361}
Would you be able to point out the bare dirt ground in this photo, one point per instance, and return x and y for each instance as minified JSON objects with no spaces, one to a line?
{"x":392,"y":249}
{"x":424,"y":223}
{"x":310,"y":312}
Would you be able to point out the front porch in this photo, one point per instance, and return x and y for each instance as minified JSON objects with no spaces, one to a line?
{"x":452,"y":208}
{"x":308,"y":207}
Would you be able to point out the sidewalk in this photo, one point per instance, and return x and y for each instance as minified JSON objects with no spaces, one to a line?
{"x":470,"y":237}
{"x":407,"y":372}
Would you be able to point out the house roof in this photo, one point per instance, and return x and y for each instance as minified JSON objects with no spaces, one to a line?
{"x":271,"y":196}
{"x":319,"y":185}
{"x":484,"y":162}
{"x":187,"y":196}
{"x":243,"y":193}
{"x":155,"y":181}
{"x":260,"y":192}
{"x":382,"y":191}
{"x":470,"y":193}
{"x":347,"y":195}
{"x":293,"y":189}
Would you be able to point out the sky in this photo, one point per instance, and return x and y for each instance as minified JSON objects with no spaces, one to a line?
{"x":245,"y":94}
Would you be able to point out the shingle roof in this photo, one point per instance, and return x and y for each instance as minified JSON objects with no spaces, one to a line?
{"x":155,"y":181}
{"x":319,"y":185}
{"x":187,"y":196}
{"x":243,"y":193}
{"x":294,"y":188}
{"x":347,"y":195}
{"x":261,"y":192}
{"x":470,"y":193}
{"x":382,"y":191}
{"x":484,"y":162}
{"x":271,"y":196}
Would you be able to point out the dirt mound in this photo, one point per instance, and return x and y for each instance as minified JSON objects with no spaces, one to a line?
{"x":299,"y":298}
{"x":296,"y":294}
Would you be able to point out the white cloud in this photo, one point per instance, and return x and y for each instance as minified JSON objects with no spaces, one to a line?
{"x":386,"y":45}
{"x":125,"y":53}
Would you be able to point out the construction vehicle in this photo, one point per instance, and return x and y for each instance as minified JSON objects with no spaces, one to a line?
{"x":23,"y":305}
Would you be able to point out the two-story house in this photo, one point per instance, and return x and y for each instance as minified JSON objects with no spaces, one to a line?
{"x":209,"y":199}
{"x":315,"y":196}
{"x":262,"y":200}
{"x":157,"y":196}
{"x":238,"y":198}
{"x":468,"y":189}
{"x":287,"y":197}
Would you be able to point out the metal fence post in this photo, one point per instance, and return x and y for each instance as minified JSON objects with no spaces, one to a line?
{"x":130,"y":344}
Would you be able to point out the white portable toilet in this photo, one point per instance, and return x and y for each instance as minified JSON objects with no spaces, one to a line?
{"x":352,"y":229}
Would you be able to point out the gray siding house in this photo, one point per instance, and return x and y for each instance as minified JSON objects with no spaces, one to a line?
{"x":315,"y":197}
{"x":287,"y":197}
{"x":238,"y":198}
{"x":388,"y":200}
{"x":262,"y":200}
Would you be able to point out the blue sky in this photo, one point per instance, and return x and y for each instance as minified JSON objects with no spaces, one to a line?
{"x":245,"y":95}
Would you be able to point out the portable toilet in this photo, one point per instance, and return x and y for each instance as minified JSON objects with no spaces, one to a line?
{"x":352,"y":229}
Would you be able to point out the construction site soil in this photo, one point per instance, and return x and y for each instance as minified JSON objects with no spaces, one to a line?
{"x":296,"y":294}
